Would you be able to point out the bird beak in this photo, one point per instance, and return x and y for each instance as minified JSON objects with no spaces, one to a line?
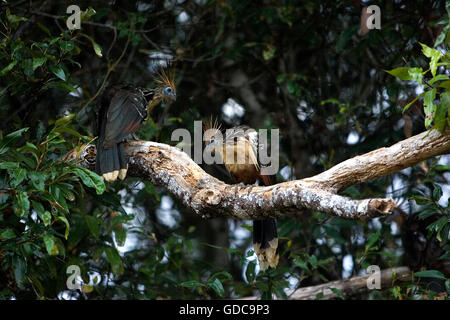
{"x":173,"y":97}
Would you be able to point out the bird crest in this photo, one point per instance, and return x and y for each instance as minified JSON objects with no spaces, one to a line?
{"x":212,"y":124}
{"x":165,"y":75}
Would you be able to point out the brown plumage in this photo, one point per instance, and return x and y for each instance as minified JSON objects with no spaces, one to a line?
{"x":239,"y":153}
{"x":120,"y":112}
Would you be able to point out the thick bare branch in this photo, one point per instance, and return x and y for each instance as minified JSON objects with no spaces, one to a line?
{"x":383,"y":161}
{"x":347,"y":286}
{"x":173,"y":169}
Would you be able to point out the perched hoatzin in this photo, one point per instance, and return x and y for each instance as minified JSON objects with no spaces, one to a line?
{"x":239,"y":152}
{"x":120,"y":112}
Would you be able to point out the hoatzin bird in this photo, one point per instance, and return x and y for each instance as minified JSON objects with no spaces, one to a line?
{"x":120,"y":112}
{"x":239,"y":153}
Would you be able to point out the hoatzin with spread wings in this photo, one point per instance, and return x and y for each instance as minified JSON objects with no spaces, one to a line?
{"x":120,"y":112}
{"x":239,"y":153}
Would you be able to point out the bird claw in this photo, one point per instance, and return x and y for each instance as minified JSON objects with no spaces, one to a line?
{"x":200,"y":184}
{"x":241,"y":185}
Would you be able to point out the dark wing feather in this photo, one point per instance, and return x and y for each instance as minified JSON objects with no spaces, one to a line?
{"x":125,"y":113}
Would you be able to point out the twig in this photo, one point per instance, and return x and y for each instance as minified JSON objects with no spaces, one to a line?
{"x":110,"y":69}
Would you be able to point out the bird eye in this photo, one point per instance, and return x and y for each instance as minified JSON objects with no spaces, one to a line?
{"x":211,"y":140}
{"x":167,"y":90}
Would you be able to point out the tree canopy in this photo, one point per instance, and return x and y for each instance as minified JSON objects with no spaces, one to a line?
{"x":334,"y":88}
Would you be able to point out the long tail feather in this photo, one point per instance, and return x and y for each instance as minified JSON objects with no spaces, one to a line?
{"x":107,"y":162}
{"x":265,"y":242}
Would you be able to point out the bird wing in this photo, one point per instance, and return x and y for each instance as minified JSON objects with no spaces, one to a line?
{"x":252,"y":138}
{"x":125,"y":113}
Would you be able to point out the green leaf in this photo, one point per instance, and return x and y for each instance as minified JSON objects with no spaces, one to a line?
{"x":8,"y":67}
{"x":45,"y":216}
{"x":37,"y":62}
{"x":90,"y":179}
{"x":192,"y":284}
{"x":65,"y":189}
{"x":337,"y":292}
{"x":20,"y":270}
{"x":224,"y":275}
{"x":415,"y":99}
{"x":30,"y":148}
{"x":437,"y":192}
{"x":250,"y":271}
{"x":331,"y":100}
{"x":17,"y":176}
{"x":298,"y":262}
{"x":66,"y":222}
{"x":420,"y":200}
{"x":405,"y":73}
{"x":60,"y":85}
{"x":428,"y":212}
{"x":445,"y":85}
{"x":93,"y":224}
{"x":7,"y":233}
{"x":269,"y":53}
{"x":58,"y":198}
{"x":9,"y":165}
{"x":38,"y":179}
{"x":402,"y":73}
{"x":114,"y":260}
{"x":87,"y":14}
{"x":430,"y":274}
{"x":13,"y":19}
{"x":441,"y":37}
{"x":66,"y":46}
{"x":374,"y":238}
{"x":50,"y":244}
{"x":58,"y":71}
{"x":217,"y":286}
{"x":95,"y":45}
{"x":434,"y":55}
{"x":121,"y":236}
{"x":27,"y":66}
{"x":97,"y":49}
{"x":313,"y":261}
{"x":64,"y":120}
{"x":442,"y":109}
{"x":438,"y":225}
{"x":11,"y":139}
{"x":429,"y":106}
{"x":439,"y":77}
{"x":21,"y":204}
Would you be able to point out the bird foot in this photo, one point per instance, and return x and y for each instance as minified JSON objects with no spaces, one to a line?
{"x":134,"y":137}
{"x":251,"y":188}
{"x":239,"y":185}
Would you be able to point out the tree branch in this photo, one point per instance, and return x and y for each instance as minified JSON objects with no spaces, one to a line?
{"x":383,"y":161}
{"x":173,"y":169}
{"x":347,"y":286}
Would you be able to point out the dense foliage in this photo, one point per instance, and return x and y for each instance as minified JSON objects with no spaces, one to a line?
{"x":302,"y":66}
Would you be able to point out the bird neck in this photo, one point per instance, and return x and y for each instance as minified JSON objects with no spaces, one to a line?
{"x":152,"y":103}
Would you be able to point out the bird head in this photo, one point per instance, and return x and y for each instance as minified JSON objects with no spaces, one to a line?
{"x":165,"y":81}
{"x":212,"y":135}
{"x":165,"y":87}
